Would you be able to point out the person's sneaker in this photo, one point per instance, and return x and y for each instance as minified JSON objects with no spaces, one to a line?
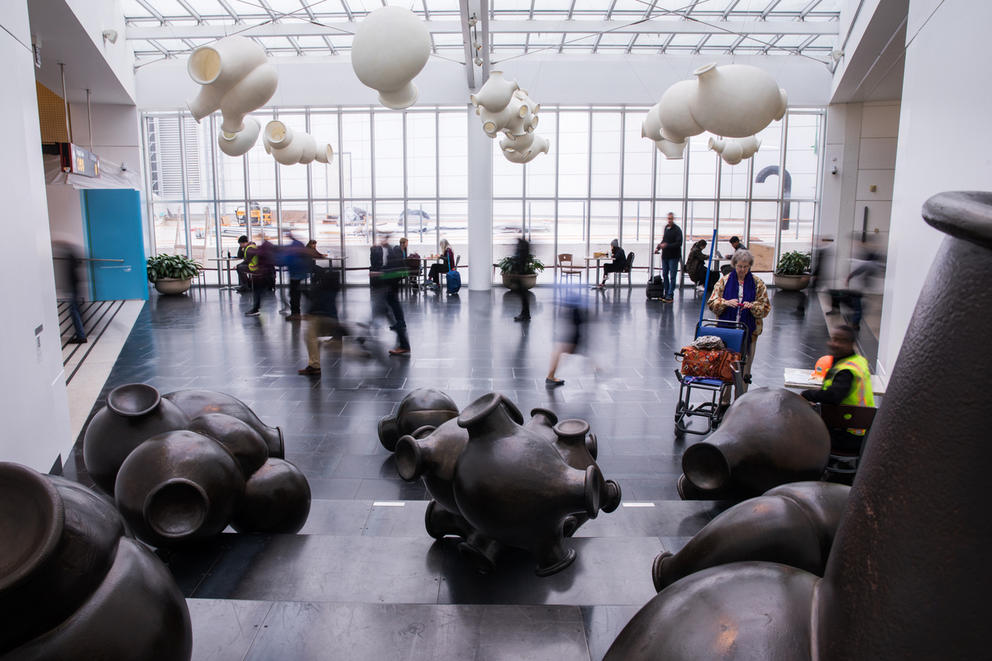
{"x":399,"y":351}
{"x":522,"y":318}
{"x":554,"y":383}
{"x":252,"y":313}
{"x":309,"y":371}
{"x":75,"y":339}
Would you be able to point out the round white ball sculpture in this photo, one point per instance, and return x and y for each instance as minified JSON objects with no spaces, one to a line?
{"x":389,"y":49}
{"x":674,"y":114}
{"x":240,"y":143}
{"x":735,"y":100}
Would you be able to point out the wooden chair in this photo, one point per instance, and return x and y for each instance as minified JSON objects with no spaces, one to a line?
{"x":842,"y":466}
{"x":566,"y":267}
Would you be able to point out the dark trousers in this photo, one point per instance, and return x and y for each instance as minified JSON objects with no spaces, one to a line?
{"x":669,"y":271}
{"x":243,"y":281}
{"x":77,"y":319}
{"x":436,"y":271}
{"x":524,"y":300}
{"x":387,"y":303}
{"x":261,"y":285}
{"x":295,"y":287}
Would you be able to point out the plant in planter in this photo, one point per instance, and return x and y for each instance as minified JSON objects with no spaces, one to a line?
{"x":792,"y":272}
{"x":514,"y":277}
{"x":172,"y":274}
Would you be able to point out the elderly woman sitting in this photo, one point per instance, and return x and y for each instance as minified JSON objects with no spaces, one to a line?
{"x":740,"y":296}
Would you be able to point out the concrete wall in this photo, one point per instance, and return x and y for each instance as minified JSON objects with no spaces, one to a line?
{"x":945,"y":109}
{"x":33,"y":404}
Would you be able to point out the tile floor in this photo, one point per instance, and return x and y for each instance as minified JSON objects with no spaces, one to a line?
{"x":363,"y":580}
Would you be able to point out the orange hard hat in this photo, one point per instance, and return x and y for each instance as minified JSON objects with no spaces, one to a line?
{"x":822,"y":366}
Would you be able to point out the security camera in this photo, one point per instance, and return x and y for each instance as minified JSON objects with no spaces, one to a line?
{"x":123,"y":167}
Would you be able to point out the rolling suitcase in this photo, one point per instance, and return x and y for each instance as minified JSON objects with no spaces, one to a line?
{"x":655,"y":289}
{"x":453,"y":281}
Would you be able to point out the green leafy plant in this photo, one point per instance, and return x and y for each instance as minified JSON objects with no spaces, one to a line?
{"x":508,"y":265}
{"x":793,"y":263}
{"x":172,"y":266}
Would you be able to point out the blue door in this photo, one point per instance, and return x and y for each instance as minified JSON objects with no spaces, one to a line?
{"x":113,"y":231}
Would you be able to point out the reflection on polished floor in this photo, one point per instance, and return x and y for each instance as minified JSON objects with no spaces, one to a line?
{"x":363,"y":579}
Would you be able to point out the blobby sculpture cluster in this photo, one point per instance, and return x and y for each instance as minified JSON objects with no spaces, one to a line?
{"x":495,"y":481}
{"x":74,"y":584}
{"x":185,"y":465}
{"x":732,"y":100}
{"x":507,"y":109}
{"x":236,"y":78}
{"x":289,"y":148}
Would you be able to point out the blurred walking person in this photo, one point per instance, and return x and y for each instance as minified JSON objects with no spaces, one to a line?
{"x":387,"y":267}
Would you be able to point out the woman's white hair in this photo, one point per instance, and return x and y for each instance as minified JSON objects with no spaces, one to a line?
{"x":444,"y":244}
{"x":742,"y":255}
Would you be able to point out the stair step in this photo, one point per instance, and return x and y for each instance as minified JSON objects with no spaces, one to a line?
{"x":231,"y":630}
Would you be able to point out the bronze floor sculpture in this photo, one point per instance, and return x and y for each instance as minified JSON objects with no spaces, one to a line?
{"x":187,"y":464}
{"x":496,"y":481}
{"x":74,"y":584}
{"x":905,"y":579}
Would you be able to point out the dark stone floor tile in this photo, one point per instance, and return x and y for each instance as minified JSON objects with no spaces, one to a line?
{"x":603,"y":624}
{"x":415,"y":632}
{"x":337,"y":517}
{"x":224,"y":629}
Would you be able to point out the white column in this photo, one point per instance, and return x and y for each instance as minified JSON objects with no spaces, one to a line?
{"x":480,"y":206}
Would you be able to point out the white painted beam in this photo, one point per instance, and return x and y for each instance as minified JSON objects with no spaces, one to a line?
{"x":655,"y":26}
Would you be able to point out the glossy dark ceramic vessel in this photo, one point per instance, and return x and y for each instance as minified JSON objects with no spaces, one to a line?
{"x":195,"y":403}
{"x":178,"y":487}
{"x":768,"y":437}
{"x":246,"y":444}
{"x":67,"y":572}
{"x":513,"y":486}
{"x":793,"y":524}
{"x":421,"y":407}
{"x":276,"y":500}
{"x":134,"y":412}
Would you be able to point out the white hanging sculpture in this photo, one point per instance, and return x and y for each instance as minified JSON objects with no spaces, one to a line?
{"x":389,"y":49}
{"x":495,"y":94}
{"x":289,"y":148}
{"x":736,"y":100}
{"x":507,"y":109}
{"x":734,"y":150}
{"x":733,"y":100}
{"x":516,"y":152}
{"x":236,"y":79}
{"x":238,"y":144}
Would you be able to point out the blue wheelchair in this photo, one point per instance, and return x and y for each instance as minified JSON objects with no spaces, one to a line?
{"x":737,"y":338}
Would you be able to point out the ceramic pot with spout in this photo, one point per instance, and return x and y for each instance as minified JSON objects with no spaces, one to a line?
{"x":240,"y":143}
{"x":237,"y":436}
{"x":735,"y":100}
{"x":133,"y":413}
{"x":513,"y":486}
{"x":768,"y":437}
{"x":73,"y":585}
{"x":651,"y":125}
{"x":236,"y":79}
{"x":793,"y":524}
{"x":195,"y":403}
{"x":390,"y":47}
{"x":420,"y":407}
{"x":675,"y":115}
{"x":671,"y":150}
{"x":496,"y":93}
{"x":178,"y":487}
{"x":276,"y":500}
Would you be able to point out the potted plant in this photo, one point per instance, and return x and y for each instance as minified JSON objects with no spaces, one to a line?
{"x":792,"y":272}
{"x":172,"y":274}
{"x":514,"y":277}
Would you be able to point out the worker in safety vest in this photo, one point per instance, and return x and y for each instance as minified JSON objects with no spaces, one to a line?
{"x":847,"y":383}
{"x":247,"y":265}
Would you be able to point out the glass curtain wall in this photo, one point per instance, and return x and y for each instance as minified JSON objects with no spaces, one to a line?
{"x":601,"y":180}
{"x":407,"y":174}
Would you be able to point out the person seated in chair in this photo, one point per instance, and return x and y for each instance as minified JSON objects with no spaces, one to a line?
{"x":847,"y":383}
{"x":244,"y":267}
{"x":447,"y":264}
{"x":695,"y":266}
{"x":618,"y":264}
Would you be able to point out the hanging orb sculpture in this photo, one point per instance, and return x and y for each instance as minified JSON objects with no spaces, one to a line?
{"x":390,"y":47}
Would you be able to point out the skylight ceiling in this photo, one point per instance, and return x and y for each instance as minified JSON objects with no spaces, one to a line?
{"x":305,"y":28}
